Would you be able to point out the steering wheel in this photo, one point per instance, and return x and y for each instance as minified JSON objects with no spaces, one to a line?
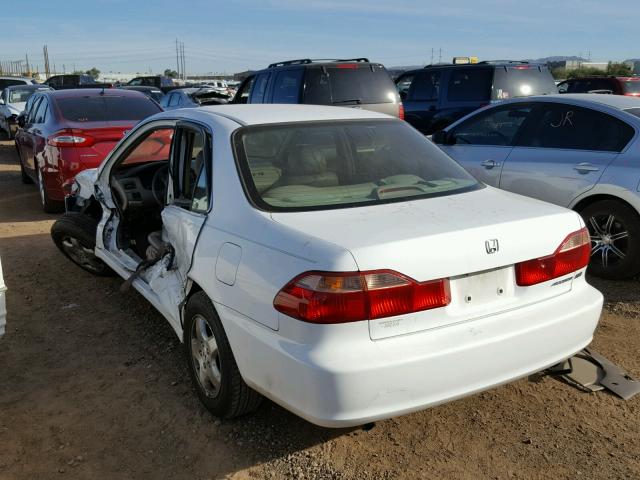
{"x":120,"y":195}
{"x":159,"y":185}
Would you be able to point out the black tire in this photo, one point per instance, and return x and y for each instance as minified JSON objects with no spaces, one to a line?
{"x":24,"y":176}
{"x":75,"y":235}
{"x":605,"y":219}
{"x":233,"y":397}
{"x":48,"y":205}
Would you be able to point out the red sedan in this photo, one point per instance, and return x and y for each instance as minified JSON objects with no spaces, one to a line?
{"x":67,"y":131}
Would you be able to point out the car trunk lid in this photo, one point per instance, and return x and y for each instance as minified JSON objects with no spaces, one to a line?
{"x":473,"y":239}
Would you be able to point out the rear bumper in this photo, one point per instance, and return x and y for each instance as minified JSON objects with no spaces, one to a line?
{"x":362,"y":381}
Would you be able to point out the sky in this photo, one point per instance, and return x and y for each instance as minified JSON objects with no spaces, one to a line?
{"x":229,"y":36}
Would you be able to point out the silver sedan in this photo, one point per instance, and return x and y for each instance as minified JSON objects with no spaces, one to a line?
{"x":581,"y":151}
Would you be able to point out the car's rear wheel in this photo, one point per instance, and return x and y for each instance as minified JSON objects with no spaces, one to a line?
{"x":212,"y":367}
{"x":75,"y":235}
{"x":615,"y":239}
{"x":24,"y":176}
{"x":48,"y":205}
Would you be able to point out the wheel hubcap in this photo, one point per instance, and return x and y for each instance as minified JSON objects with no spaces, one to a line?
{"x":205,"y":357}
{"x":81,"y":255}
{"x":609,"y":240}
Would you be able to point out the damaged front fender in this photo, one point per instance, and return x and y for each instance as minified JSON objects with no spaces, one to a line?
{"x":86,"y":180}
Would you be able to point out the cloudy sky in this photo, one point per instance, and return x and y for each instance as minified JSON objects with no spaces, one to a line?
{"x":230,"y":36}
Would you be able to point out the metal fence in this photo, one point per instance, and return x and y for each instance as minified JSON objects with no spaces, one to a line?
{"x":14,"y":68}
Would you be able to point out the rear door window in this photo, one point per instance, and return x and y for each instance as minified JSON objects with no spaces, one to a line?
{"x":563,"y":126}
{"x":260,"y":87}
{"x":106,"y":108}
{"x":497,"y":126}
{"x":31,"y":116}
{"x":349,"y":83}
{"x":242,"y":95}
{"x":41,"y":114}
{"x":287,"y":86}
{"x":426,"y":87}
{"x":469,"y":85}
{"x":404,"y":84}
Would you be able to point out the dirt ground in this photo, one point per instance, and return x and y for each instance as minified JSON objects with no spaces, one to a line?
{"x":92,"y":385}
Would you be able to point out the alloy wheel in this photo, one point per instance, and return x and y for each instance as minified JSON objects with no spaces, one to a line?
{"x":205,"y":357}
{"x":609,"y":239}
{"x":83,"y":256}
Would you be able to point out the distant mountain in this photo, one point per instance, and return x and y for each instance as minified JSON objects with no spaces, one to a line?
{"x":558,"y":58}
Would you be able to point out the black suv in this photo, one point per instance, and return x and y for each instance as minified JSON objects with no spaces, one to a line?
{"x":438,"y":95}
{"x":352,"y":82}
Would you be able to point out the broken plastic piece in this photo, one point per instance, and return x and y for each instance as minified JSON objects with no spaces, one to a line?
{"x":592,"y":372}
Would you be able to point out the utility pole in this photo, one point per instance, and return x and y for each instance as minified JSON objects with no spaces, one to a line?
{"x":184,"y":62}
{"x":431,"y":55}
{"x":177,"y":59}
{"x":26,"y":57}
{"x":45,"y":52}
{"x":440,"y":55}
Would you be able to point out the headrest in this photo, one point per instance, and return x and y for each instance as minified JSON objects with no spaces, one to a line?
{"x":306,"y":160}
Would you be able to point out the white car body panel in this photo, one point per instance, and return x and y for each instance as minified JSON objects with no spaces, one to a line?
{"x":348,"y":374}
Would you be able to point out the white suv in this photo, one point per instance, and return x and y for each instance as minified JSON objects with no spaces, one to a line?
{"x":331,"y":259}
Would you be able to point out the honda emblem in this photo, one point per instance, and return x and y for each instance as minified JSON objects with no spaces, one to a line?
{"x":491,"y":245}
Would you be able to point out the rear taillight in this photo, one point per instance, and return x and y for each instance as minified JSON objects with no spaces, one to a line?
{"x":70,"y":138}
{"x":340,"y":297}
{"x":572,"y":254}
{"x":401,"y":112}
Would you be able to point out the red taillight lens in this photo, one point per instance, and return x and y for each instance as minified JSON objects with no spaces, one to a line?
{"x":401,"y":112}
{"x":572,"y":254}
{"x":347,"y":65}
{"x":70,"y":138}
{"x":340,"y":297}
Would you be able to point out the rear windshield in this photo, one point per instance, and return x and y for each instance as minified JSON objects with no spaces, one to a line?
{"x":106,"y":108}
{"x":522,"y":81}
{"x":22,"y":95}
{"x":9,"y":81}
{"x":349,"y":84}
{"x":319,"y":165}
{"x":633,"y":111}
{"x":631,"y":86}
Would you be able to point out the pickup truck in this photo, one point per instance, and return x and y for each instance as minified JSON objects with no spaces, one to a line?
{"x":65,"y":82}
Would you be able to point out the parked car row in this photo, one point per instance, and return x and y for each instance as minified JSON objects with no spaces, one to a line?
{"x":345,"y":229}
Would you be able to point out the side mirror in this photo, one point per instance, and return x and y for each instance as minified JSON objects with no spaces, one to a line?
{"x":21,"y":120}
{"x":442,"y":138}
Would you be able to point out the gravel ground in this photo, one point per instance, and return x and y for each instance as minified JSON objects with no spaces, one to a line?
{"x":92,"y":385}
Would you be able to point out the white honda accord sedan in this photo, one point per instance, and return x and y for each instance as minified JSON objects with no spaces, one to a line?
{"x":331,"y":259}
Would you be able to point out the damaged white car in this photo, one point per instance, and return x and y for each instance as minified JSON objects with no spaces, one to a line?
{"x":331,"y":259}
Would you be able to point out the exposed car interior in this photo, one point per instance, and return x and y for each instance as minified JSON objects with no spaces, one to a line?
{"x":140,"y":182}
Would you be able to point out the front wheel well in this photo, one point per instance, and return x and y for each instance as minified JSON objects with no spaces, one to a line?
{"x":585,"y":202}
{"x":193,"y":288}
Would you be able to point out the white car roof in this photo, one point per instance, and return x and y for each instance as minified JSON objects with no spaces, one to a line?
{"x":260,"y":114}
